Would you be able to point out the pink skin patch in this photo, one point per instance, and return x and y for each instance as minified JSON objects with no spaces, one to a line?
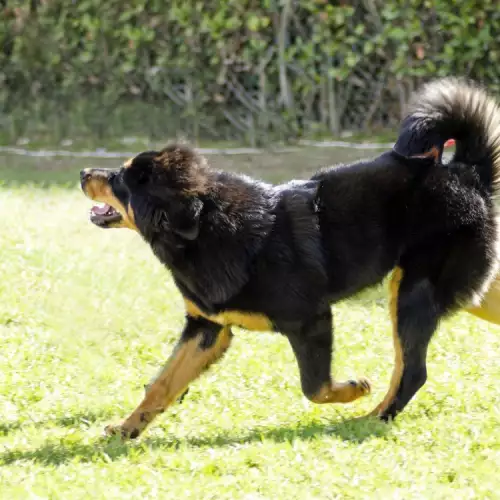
{"x":449,"y":143}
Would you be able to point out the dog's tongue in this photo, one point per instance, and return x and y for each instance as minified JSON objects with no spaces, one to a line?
{"x":101,"y":210}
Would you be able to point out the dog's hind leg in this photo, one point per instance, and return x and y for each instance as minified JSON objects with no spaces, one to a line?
{"x":312,"y":344}
{"x":427,"y":288}
{"x":415,"y":318}
{"x":201,"y":344}
{"x":397,"y":371}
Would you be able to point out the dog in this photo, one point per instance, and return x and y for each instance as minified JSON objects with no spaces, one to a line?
{"x":276,"y":257}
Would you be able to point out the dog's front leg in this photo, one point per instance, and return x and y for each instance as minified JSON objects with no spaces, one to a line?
{"x":312,"y":343}
{"x":202,"y":343}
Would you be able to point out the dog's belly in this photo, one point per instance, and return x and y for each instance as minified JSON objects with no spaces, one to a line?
{"x":341,"y":288}
{"x":243,"y":319}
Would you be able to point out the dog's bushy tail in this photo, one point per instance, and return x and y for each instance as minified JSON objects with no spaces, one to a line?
{"x":452,"y":108}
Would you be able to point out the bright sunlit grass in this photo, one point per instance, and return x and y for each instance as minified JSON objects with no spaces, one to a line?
{"x":86,"y":318}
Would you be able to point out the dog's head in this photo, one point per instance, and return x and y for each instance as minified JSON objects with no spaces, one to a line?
{"x":154,"y":192}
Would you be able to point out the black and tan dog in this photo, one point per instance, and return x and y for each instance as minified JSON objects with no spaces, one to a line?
{"x":268,"y":257}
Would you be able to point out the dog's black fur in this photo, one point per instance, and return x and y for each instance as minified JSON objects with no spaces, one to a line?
{"x":287,"y":252}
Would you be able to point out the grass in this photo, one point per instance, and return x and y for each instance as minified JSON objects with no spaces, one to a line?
{"x":87,"y":316}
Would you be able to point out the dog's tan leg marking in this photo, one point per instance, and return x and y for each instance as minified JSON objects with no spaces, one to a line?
{"x":397,"y":372}
{"x":345,"y":392}
{"x":489,"y":310}
{"x":186,"y":363}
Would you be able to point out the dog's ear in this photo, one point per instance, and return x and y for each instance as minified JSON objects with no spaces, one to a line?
{"x":178,"y":216}
{"x":184,"y":218}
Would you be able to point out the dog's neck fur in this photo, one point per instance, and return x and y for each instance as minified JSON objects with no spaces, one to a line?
{"x":236,"y":218}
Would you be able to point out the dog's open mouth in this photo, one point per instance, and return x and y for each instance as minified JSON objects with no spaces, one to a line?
{"x":104,"y":215}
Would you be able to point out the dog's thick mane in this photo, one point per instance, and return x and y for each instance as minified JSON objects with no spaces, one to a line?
{"x":190,"y":171}
{"x":234,"y":219}
{"x":186,"y":167}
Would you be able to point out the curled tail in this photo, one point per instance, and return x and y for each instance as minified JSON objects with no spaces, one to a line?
{"x":451,"y":108}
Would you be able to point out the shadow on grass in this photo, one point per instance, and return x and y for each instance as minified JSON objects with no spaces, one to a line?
{"x":85,"y":418}
{"x":74,"y":420}
{"x":7,"y":427}
{"x":347,"y":430}
{"x":70,"y":448}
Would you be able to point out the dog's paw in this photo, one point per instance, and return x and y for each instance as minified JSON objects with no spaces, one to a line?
{"x":362,"y":386}
{"x":123,"y":432}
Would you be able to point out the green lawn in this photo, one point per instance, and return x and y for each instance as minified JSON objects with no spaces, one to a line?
{"x":86,"y":318}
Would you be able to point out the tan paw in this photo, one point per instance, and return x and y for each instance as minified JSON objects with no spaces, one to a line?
{"x":123,"y":432}
{"x":343,"y":392}
{"x":362,"y":387}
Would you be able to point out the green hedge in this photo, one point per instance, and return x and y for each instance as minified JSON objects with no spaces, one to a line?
{"x":248,"y":70}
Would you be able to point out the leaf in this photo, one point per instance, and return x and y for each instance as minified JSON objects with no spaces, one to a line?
{"x":253,"y":23}
{"x":398,"y":34}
